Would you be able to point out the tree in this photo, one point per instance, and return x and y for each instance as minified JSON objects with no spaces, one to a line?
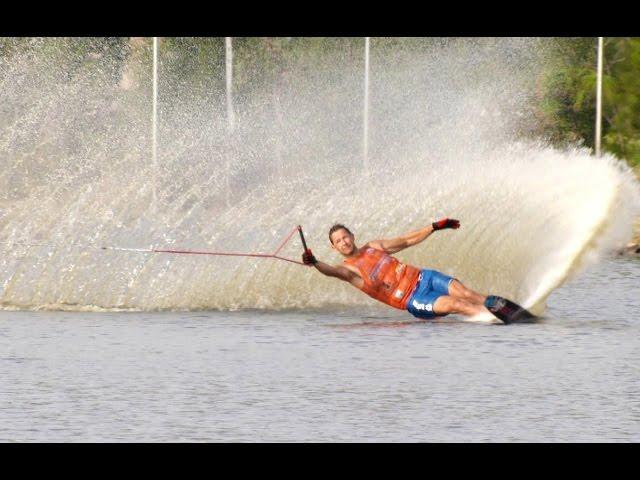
{"x":568,"y":96}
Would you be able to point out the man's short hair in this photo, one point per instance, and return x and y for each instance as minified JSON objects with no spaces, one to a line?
{"x":335,"y":228}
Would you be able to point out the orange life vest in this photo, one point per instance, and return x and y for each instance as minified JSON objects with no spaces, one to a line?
{"x":385,"y":278}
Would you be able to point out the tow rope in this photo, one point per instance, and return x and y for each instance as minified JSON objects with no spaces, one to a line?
{"x":273,"y":255}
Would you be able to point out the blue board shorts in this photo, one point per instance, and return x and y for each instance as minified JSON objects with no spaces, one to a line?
{"x":431,"y":286}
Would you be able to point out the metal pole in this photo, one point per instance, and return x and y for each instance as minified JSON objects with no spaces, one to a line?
{"x":154,"y":121}
{"x":366,"y":106}
{"x":228,"y":51}
{"x":229,"y":75}
{"x":599,"y":98}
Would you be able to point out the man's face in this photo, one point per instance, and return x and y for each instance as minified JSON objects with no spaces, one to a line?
{"x":343,"y":242}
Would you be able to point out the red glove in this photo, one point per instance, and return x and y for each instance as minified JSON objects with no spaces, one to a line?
{"x":308,"y":258}
{"x":445,"y":223}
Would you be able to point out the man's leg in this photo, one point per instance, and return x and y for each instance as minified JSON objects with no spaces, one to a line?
{"x":462,"y":300}
{"x":447,"y":304}
{"x":458,"y":290}
{"x":445,"y":295}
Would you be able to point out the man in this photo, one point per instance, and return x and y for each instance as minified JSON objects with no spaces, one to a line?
{"x":424,"y":293}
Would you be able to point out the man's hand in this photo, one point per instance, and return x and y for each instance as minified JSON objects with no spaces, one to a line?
{"x":308,"y":258}
{"x":445,"y":223}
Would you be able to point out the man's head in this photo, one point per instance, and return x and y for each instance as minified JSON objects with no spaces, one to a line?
{"x":342,"y":239}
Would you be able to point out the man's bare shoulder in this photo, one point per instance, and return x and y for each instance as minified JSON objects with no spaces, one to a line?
{"x":375,"y":244}
{"x":352,"y":274}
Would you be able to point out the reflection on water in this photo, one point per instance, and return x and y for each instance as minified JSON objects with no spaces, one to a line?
{"x":301,"y":376}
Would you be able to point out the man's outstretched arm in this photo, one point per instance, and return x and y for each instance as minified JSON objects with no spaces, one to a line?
{"x":394,"y":245}
{"x":329,"y":270}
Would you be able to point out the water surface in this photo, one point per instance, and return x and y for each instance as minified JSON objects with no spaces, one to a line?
{"x":329,"y":376}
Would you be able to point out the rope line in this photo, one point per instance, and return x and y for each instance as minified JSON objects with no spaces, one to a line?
{"x":273,"y":255}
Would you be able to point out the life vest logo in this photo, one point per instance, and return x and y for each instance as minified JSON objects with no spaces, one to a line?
{"x":422,"y":306}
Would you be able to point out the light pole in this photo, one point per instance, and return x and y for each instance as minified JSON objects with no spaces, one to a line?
{"x":229,"y":77}
{"x":365,"y":140}
{"x":154,"y":121}
{"x":599,"y":98}
{"x":228,"y":54}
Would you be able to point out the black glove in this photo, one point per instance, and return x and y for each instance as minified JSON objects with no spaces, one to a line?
{"x":445,"y":223}
{"x":308,"y":258}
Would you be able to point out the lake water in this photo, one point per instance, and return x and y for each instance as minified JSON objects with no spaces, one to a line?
{"x":329,"y":376}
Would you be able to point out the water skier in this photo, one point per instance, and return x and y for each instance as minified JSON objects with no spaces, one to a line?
{"x":424,"y":293}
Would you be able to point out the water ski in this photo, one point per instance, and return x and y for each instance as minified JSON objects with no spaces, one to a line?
{"x":508,"y":311}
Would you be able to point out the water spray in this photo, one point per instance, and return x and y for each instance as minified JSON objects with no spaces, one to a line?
{"x":450,"y":137}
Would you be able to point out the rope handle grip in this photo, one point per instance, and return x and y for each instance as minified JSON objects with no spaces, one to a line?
{"x":304,"y":244}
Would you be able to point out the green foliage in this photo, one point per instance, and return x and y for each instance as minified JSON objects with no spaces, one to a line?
{"x":621,"y":94}
{"x":567,"y":104}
